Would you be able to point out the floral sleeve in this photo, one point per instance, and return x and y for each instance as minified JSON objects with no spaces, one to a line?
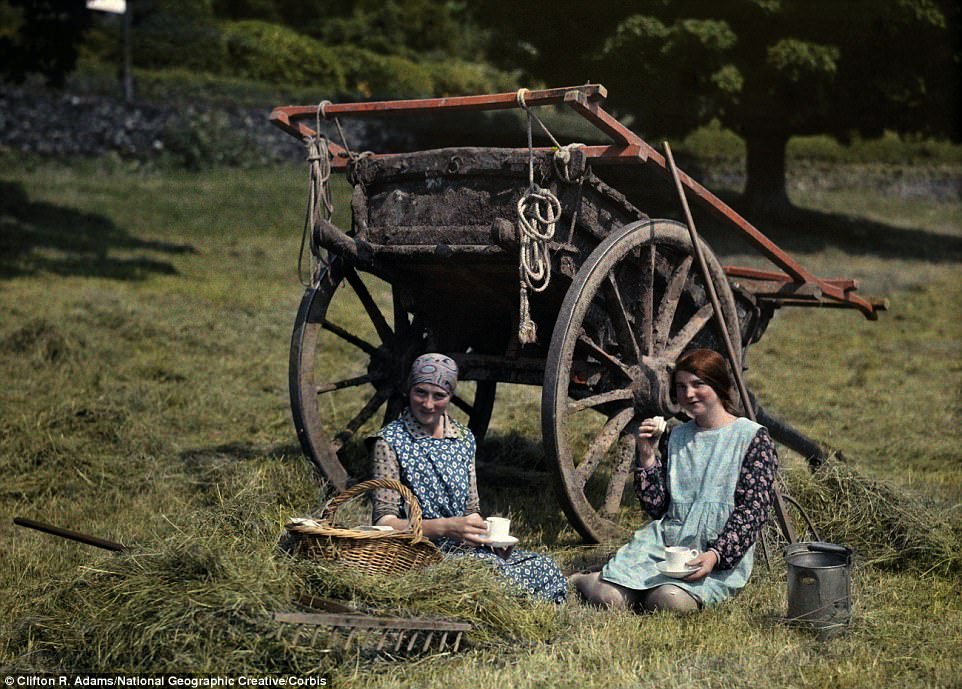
{"x":651,"y":484}
{"x":754,"y":494}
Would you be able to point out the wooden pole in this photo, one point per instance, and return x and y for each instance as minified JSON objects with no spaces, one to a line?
{"x":72,"y":535}
{"x":781,"y":514}
{"x":128,"y":76}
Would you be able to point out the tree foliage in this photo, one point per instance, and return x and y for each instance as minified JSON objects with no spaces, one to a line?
{"x":45,"y":39}
{"x":408,"y":28}
{"x":767,"y":69}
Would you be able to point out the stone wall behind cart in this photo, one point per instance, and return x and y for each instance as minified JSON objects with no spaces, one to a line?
{"x":65,"y":124}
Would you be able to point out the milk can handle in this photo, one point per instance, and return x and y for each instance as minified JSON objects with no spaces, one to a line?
{"x":832,"y":548}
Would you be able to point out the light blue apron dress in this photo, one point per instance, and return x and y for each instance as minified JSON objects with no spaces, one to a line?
{"x":438,"y":472}
{"x":703,"y":470}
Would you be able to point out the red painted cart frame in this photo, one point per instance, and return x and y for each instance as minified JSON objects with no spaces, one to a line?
{"x":795,"y":286}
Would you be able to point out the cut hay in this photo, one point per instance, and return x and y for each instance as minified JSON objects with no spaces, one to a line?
{"x":888,"y":527}
{"x":204,"y":599}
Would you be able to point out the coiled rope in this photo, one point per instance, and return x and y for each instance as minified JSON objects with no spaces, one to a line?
{"x":538,"y":212}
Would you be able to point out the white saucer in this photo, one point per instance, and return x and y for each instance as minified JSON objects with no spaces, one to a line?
{"x":505,"y":543}
{"x":662,"y":568}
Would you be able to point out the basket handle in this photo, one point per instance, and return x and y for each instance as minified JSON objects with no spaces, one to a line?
{"x":358,"y":489}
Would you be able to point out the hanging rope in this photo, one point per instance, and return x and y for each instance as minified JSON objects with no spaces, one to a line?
{"x":320,"y":204}
{"x":350,"y":154}
{"x":538,"y":212}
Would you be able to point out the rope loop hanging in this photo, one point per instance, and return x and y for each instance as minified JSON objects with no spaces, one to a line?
{"x":538,"y":212}
{"x":320,"y":204}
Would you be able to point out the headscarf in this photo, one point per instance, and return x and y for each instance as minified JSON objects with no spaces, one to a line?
{"x":435,"y":369}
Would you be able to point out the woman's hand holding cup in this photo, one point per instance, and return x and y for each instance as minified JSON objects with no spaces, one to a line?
{"x":705,"y":562}
{"x":471,"y":528}
{"x":647,"y":436}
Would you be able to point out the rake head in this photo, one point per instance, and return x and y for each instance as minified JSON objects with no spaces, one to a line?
{"x":347,"y":628}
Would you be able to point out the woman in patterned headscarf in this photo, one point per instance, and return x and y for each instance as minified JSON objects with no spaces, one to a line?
{"x":433,"y":455}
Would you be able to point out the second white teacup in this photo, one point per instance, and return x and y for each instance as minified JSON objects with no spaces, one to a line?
{"x":677,"y":556}
{"x":499,"y":528}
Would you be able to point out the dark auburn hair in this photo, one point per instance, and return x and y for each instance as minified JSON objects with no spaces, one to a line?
{"x":711,"y":367}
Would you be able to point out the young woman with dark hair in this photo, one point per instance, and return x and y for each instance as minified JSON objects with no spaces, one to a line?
{"x":710,"y":491}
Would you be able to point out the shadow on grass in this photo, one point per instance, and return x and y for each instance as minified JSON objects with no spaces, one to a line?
{"x":36,"y":236}
{"x":239,"y":452}
{"x":793,"y":229}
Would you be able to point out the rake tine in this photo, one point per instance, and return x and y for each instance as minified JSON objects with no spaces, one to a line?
{"x":443,"y":641}
{"x":314,"y":636}
{"x":380,"y":644}
{"x":457,"y":641}
{"x":427,"y":642}
{"x":414,"y":638}
{"x":400,"y":639}
{"x":347,"y":642}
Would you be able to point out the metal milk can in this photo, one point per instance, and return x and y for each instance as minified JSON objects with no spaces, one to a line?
{"x":819,"y":587}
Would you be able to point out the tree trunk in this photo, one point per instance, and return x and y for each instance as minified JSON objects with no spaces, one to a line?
{"x":765,"y":193}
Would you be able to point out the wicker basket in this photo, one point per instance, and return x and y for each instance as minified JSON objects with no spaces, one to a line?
{"x":371,"y":552}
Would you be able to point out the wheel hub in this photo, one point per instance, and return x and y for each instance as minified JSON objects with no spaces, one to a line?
{"x":386,"y":368}
{"x":652,"y":386}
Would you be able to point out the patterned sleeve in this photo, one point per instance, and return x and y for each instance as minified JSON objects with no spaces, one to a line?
{"x":473,"y":505}
{"x":754,"y":494}
{"x":385,"y":501}
{"x":651,"y":484}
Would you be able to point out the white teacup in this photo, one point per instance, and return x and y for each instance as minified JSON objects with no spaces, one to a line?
{"x":499,"y":528}
{"x":677,"y":557}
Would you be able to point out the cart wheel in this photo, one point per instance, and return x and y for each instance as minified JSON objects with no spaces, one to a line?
{"x":348,"y":360}
{"x":636,"y":303}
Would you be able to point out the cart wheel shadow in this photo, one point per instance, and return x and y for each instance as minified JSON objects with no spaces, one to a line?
{"x":514,"y":479}
{"x":37,"y":236}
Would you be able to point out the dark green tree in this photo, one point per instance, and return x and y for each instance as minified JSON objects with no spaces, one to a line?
{"x":766,"y":69}
{"x":44,"y":40}
{"x":410,"y":28}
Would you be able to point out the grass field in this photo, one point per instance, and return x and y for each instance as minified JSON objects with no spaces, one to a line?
{"x":144,"y":329}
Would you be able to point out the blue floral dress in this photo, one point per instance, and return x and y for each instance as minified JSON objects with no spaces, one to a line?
{"x":440,"y":473}
{"x":714,"y":493}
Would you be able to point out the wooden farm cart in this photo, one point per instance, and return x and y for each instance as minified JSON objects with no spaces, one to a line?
{"x":604,"y":302}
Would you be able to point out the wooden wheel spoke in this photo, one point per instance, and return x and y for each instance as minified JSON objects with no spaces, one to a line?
{"x":615,"y":307}
{"x":648,"y":302}
{"x":347,"y":383}
{"x":616,"y":485}
{"x":463,"y":405}
{"x":402,"y":325}
{"x":669,"y":301}
{"x":687,"y":333}
{"x":604,"y":356}
{"x":600,"y":445}
{"x":374,"y":313}
{"x":367,"y":411}
{"x":349,"y":337}
{"x":602,"y":398}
